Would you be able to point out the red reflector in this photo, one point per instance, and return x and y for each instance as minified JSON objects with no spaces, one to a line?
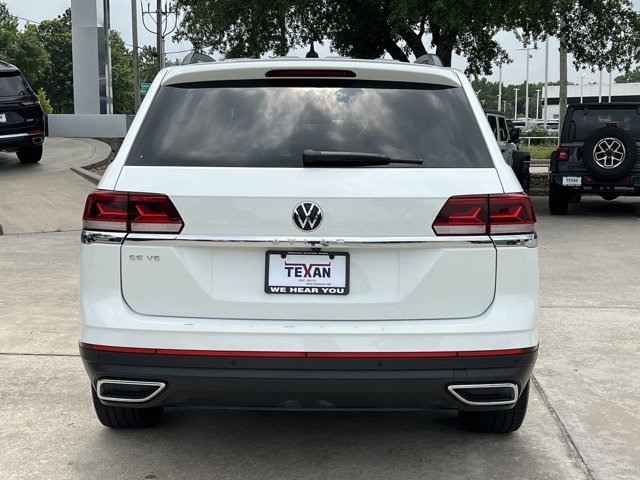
{"x":310,"y":73}
{"x":486,"y":215}
{"x":562,"y":154}
{"x":27,"y":103}
{"x":238,"y":353}
{"x":35,"y":132}
{"x":131,"y":212}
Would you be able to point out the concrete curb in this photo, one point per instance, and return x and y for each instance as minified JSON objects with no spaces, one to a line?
{"x":87,"y":175}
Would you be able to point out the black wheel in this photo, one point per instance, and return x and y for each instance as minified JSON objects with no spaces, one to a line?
{"x":609,"y":152}
{"x":558,"y":199}
{"x":524,"y":176}
{"x":30,"y":154}
{"x":125,"y":417}
{"x":497,"y":421}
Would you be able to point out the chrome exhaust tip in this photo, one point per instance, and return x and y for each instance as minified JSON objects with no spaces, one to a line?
{"x":486,"y":394}
{"x":38,"y":140}
{"x":128,"y":391}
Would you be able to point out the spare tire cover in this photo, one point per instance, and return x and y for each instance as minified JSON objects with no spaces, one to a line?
{"x":610,"y":152}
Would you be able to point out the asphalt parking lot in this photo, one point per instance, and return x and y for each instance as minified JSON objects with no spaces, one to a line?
{"x":583,"y":419}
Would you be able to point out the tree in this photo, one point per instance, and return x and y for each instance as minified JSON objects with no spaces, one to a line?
{"x":121,"y":75}
{"x":597,"y":32}
{"x":55,"y":38}
{"x":22,"y":48}
{"x":632,"y":76}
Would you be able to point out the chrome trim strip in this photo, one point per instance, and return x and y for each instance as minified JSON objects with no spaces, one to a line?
{"x":452,"y":389}
{"x":15,"y":135}
{"x":529,"y":240}
{"x":311,"y":242}
{"x":87,"y":237}
{"x":159,"y":387}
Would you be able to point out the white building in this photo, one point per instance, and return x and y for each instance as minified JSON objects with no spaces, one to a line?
{"x":592,"y":93}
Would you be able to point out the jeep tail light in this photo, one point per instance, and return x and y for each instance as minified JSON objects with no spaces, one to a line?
{"x":131,"y":212}
{"x":562,"y":154}
{"x":486,"y":215}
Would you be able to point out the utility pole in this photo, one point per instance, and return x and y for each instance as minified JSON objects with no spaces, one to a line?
{"x":159,"y":35}
{"x":136,"y":62}
{"x":161,"y":29}
{"x":537,"y":102}
{"x":515,"y":105}
{"x":563,"y":83}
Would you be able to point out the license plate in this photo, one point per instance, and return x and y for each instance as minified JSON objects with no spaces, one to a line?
{"x":571,"y":181}
{"x":307,"y":273}
{"x":3,"y":118}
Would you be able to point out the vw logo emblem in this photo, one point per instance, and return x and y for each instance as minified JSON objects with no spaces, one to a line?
{"x":307,"y":216}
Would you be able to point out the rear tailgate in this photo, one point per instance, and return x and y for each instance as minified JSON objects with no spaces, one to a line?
{"x":215,"y":268}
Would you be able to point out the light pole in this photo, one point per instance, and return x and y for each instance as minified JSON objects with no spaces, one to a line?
{"x":500,"y":88}
{"x":515,"y":104}
{"x":582,"y":84}
{"x":546,"y":80}
{"x":537,"y":102}
{"x":526,"y":83}
{"x":600,"y":88}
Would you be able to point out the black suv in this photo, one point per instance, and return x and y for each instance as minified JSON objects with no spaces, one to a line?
{"x":21,"y":116}
{"x":598,"y":154}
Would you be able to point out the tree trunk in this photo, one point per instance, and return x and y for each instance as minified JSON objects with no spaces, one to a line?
{"x":445,"y":41}
{"x":413,"y":40}
{"x":395,"y":51}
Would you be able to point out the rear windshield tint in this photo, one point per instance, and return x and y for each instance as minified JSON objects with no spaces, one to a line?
{"x":13,"y":85}
{"x":270,"y":123}
{"x":585,"y":121}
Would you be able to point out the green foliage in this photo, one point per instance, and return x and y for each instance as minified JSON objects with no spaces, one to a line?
{"x":44,"y":101}
{"x":603,"y":33}
{"x":22,"y":48}
{"x":121,"y":75}
{"x":55,"y":38}
{"x":539,"y":152}
{"x":632,"y":76}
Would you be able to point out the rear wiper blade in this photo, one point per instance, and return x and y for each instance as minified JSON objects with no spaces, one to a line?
{"x":315,"y":158}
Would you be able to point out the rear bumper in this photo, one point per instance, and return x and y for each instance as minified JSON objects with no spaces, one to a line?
{"x":304,"y":382}
{"x":15,"y":141}
{"x":628,"y":185}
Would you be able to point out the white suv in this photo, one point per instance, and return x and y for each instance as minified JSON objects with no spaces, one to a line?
{"x":310,"y":234}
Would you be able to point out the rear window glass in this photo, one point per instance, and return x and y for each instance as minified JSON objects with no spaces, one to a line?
{"x":585,"y":121}
{"x":270,"y":123}
{"x":13,"y":85}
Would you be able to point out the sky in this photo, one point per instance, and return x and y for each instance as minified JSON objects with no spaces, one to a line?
{"x":513,"y":73}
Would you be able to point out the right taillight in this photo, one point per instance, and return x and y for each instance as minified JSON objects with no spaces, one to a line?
{"x":131,"y":212}
{"x":486,"y":215}
{"x":562,"y":154}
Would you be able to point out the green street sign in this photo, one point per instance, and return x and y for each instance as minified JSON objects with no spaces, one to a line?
{"x":144,"y":88}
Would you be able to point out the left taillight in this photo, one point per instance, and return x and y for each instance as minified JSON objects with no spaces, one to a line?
{"x":131,"y":212}
{"x":486,"y":215}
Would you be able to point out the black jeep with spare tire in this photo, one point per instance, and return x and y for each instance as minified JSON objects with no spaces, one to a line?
{"x":598,"y":154}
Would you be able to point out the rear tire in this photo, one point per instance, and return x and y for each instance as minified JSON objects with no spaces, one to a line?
{"x":558,"y":199}
{"x":125,"y":417}
{"x":497,"y":421}
{"x":524,"y":177}
{"x":30,"y":154}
